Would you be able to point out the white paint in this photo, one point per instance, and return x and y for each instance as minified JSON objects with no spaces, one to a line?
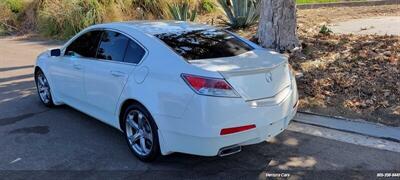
{"x":345,"y":137}
{"x":187,"y":122}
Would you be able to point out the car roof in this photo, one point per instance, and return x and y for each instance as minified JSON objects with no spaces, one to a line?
{"x":161,"y":27}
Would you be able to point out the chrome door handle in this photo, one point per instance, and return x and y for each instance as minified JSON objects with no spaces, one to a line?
{"x":77,"y":66}
{"x":117,"y":73}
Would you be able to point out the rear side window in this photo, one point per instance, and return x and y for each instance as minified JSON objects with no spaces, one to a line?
{"x":205,"y":44}
{"x":134,"y":53}
{"x":112,"y":46}
{"x":85,"y":45}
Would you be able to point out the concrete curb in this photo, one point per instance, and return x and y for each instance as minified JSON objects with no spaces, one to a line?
{"x":349,"y":4}
{"x":354,"y":126}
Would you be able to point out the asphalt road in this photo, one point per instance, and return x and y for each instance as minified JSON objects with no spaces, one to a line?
{"x":38,"y":142}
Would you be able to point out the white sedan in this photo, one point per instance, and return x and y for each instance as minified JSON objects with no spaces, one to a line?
{"x":172,"y":86}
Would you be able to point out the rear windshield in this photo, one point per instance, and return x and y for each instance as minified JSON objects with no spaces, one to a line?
{"x":205,"y":44}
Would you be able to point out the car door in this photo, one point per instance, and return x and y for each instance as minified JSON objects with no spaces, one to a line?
{"x":105,"y":78}
{"x":68,"y":70}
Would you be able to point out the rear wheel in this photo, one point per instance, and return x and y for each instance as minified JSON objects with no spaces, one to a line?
{"x":43,"y":89}
{"x":141,"y":133}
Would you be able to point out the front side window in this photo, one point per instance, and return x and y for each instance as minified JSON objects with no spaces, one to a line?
{"x":112,"y":46}
{"x":205,"y":44}
{"x":85,"y":45}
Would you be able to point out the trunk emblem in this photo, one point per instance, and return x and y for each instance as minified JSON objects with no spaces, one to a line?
{"x":268,"y":77}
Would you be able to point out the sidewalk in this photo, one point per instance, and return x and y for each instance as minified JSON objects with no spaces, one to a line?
{"x":360,"y":127}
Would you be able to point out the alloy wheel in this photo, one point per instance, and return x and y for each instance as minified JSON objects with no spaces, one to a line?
{"x":139,"y":132}
{"x":43,"y":88}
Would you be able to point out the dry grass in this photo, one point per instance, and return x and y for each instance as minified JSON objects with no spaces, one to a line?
{"x":8,"y":20}
{"x":64,"y":18}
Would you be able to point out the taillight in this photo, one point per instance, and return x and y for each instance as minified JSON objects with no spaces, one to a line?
{"x":209,"y":86}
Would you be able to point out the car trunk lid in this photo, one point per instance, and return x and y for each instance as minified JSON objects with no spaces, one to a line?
{"x":255,"y":75}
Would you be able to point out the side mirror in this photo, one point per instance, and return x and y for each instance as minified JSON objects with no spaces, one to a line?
{"x":55,"y":52}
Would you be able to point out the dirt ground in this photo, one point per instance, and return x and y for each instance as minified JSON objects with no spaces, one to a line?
{"x":355,"y":76}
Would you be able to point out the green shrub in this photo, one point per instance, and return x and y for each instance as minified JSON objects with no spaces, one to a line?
{"x":8,"y":19}
{"x":16,"y":6}
{"x":181,"y":12}
{"x":241,"y":13}
{"x":2,"y":31}
{"x":157,"y":8}
{"x":208,"y":6}
{"x":65,"y":18}
{"x":325,"y":30}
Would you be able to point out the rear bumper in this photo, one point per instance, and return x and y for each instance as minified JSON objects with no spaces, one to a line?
{"x":210,"y":146}
{"x":198,"y":130}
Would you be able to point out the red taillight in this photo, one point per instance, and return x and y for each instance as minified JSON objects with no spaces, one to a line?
{"x":209,"y":86}
{"x":236,"y":129}
{"x":196,"y":82}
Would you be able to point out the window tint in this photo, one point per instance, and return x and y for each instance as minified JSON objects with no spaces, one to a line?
{"x":205,"y":44}
{"x":134,"y":53}
{"x":112,"y":46}
{"x":85,"y":45}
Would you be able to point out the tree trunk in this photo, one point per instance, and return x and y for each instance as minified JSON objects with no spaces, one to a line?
{"x":277,"y":27}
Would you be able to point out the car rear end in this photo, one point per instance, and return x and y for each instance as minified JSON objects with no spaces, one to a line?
{"x":253,"y":98}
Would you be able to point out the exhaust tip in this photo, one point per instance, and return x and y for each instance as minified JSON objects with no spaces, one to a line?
{"x":226,"y":151}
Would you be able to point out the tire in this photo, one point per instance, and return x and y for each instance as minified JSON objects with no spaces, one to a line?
{"x":141,"y":133}
{"x":43,"y":89}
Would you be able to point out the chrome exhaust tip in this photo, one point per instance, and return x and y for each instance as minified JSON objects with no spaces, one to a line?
{"x":226,"y":151}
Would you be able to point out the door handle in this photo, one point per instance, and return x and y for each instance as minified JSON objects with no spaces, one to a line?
{"x":77,"y":66}
{"x":117,"y":73}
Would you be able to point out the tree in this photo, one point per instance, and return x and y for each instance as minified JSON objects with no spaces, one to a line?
{"x":277,"y":27}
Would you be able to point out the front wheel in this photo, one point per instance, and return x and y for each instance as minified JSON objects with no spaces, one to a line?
{"x":141,"y":133}
{"x":43,"y":89}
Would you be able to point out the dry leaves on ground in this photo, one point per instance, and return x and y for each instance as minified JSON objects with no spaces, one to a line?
{"x":351,"y":73}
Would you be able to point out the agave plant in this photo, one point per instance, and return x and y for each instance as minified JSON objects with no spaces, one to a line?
{"x":181,"y":11}
{"x":241,"y":13}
